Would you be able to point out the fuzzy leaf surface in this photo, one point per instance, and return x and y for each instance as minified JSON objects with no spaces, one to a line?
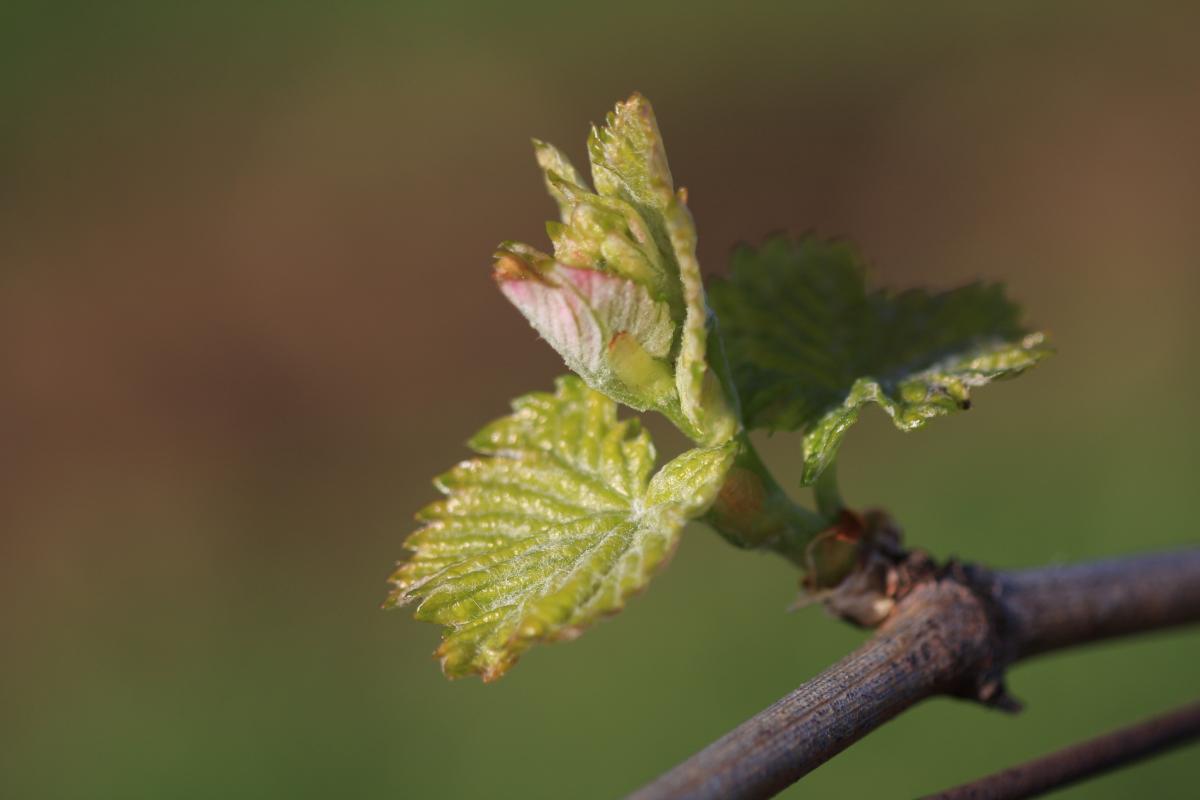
{"x":629,"y":162}
{"x":557,"y":524}
{"x":633,"y":236}
{"x":809,"y":344}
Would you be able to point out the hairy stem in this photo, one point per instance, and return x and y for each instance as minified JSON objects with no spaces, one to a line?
{"x":952,"y":635}
{"x":753,"y":511}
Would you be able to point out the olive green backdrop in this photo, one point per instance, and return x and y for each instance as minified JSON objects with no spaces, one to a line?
{"x":246,"y":313}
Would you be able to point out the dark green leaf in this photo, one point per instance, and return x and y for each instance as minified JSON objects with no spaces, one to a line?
{"x":808,"y":344}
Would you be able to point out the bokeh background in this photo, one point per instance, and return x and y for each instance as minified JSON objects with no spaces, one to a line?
{"x":246,"y":313}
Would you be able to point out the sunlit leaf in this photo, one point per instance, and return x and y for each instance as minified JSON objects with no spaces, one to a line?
{"x":556,"y":525}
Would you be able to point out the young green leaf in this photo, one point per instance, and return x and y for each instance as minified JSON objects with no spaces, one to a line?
{"x":808,"y":344}
{"x":556,"y":526}
{"x":632,"y":238}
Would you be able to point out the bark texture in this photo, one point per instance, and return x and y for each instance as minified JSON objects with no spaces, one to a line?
{"x":1084,"y":760}
{"x":951,"y":631}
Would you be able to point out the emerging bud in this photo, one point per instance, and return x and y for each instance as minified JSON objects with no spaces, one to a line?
{"x":621,"y":299}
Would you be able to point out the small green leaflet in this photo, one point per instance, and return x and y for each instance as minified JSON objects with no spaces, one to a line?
{"x":809,"y":345}
{"x":555,"y":526}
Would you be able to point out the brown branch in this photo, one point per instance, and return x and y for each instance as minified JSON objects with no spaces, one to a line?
{"x":952,"y":634}
{"x":1084,"y":760}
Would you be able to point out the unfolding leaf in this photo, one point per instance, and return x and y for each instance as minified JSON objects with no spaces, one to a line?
{"x":629,"y":159}
{"x":558,"y":524}
{"x":635,"y":230}
{"x":809,"y":344}
{"x":608,"y":329}
{"x":692,"y":376}
{"x":557,"y":168}
{"x":629,"y":162}
{"x":608,"y":234}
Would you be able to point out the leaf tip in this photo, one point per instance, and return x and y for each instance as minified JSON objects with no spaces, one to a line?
{"x":510,"y":266}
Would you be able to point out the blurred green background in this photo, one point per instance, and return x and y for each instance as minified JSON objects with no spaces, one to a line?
{"x":246,"y":314}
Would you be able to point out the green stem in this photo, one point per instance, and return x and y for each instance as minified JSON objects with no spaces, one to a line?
{"x":827,"y":494}
{"x":753,"y":511}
